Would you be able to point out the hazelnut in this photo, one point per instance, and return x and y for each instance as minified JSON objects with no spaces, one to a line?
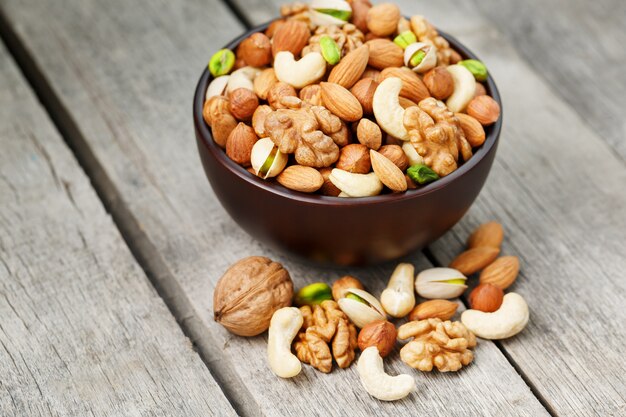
{"x":382,"y":19}
{"x":381,"y":334}
{"x":372,"y":73}
{"x":345,"y":283}
{"x":328,"y":188}
{"x":410,"y":184}
{"x":279,"y":90}
{"x":368,"y":133}
{"x":264,"y":82}
{"x":484,"y":109}
{"x":480,"y":90}
{"x":396,"y":155}
{"x":217,"y":115}
{"x":439,"y":82}
{"x":243,"y":103}
{"x":354,"y":158}
{"x":239,"y":144}
{"x":359,"y":14}
{"x":312,"y":94}
{"x":255,"y":50}
{"x":364,"y":90}
{"x":273,"y":27}
{"x":486,"y":297}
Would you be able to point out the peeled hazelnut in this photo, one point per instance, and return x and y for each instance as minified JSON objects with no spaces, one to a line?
{"x":381,"y":334}
{"x":217,"y":115}
{"x":486,"y":297}
{"x":359,"y":14}
{"x":382,"y":19}
{"x":312,"y":94}
{"x":439,"y":82}
{"x":372,"y":73}
{"x":342,"y":284}
{"x":396,"y":155}
{"x":484,"y":109}
{"x":264,"y":82}
{"x":328,"y":188}
{"x":279,"y":90}
{"x":243,"y":103}
{"x":239,"y":144}
{"x":364,"y":90}
{"x":369,"y":134}
{"x":480,"y":90}
{"x":255,"y":50}
{"x":354,"y":158}
{"x":249,"y":293}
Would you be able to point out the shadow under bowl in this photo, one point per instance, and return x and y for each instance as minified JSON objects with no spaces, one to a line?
{"x":345,"y":231}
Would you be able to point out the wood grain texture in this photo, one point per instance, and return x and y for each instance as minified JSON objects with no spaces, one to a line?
{"x":128,"y":84}
{"x":82,"y":331}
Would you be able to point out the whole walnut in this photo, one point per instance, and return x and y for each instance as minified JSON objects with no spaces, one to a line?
{"x":249,"y":293}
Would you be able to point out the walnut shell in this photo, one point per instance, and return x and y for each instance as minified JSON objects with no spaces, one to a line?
{"x":249,"y":293}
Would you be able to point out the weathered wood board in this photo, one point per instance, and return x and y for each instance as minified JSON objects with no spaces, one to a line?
{"x":128,"y":85}
{"x":82,"y":331}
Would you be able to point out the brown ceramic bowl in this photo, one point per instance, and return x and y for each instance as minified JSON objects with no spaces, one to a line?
{"x":347,"y":231}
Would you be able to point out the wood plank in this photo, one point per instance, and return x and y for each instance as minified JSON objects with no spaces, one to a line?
{"x":82,"y":331}
{"x":132,"y":109}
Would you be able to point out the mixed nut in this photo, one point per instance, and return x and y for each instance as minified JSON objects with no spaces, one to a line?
{"x":342,"y":98}
{"x":256,"y":294}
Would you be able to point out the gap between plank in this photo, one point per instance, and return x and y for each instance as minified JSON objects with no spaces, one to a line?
{"x":241,"y":16}
{"x":143,"y":251}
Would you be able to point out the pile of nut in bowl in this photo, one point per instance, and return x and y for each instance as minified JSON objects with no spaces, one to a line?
{"x":342,"y":98}
{"x":256,"y":294}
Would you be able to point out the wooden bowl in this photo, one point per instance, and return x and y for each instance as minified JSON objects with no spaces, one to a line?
{"x":346,"y":231}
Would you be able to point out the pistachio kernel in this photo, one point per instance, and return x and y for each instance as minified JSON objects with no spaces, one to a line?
{"x":477,"y":68}
{"x":221,"y":62}
{"x":422,"y":174}
{"x":339,"y":14}
{"x":330,"y":50}
{"x":313,"y":294}
{"x":405,"y":39}
{"x":417,"y":58}
{"x":355,"y":297}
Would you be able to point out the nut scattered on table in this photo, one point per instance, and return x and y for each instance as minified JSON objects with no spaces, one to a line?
{"x":381,"y":334}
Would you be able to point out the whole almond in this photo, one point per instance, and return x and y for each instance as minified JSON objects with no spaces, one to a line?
{"x":488,"y":234}
{"x":328,"y":188}
{"x":301,"y":178}
{"x":473,"y":260}
{"x":434,"y":309}
{"x":312,"y":94}
{"x":359,"y":14}
{"x":341,"y":102}
{"x":388,"y":173}
{"x":382,"y":19}
{"x":354,"y":158}
{"x":473,"y":130}
{"x":364,"y":90}
{"x":396,"y":155}
{"x":486,"y":297}
{"x":368,"y":133}
{"x":349,"y":70}
{"x":439,"y":82}
{"x":480,"y":90}
{"x":255,"y":50}
{"x":264,"y":82}
{"x":384,"y":53}
{"x":405,"y":103}
{"x":502,"y":272}
{"x":412,"y":87}
{"x":291,"y":36}
{"x":239,"y":144}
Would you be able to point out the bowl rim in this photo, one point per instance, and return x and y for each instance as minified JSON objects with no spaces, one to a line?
{"x":275,"y":188}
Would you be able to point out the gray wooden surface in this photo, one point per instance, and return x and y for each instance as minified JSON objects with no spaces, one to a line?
{"x":82,"y":331}
{"x":124,"y":74}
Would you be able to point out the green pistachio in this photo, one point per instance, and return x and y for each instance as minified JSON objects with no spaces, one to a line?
{"x":221,"y":62}
{"x":329,"y":49}
{"x":477,"y":68}
{"x":339,"y":14}
{"x":268,"y":163}
{"x":313,"y":294}
{"x":458,"y":281}
{"x":417,"y":58}
{"x":422,"y":174}
{"x":356,"y":298}
{"x":405,"y":39}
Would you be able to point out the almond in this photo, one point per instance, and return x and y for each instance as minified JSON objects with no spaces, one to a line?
{"x":341,"y":102}
{"x":434,"y":309}
{"x":301,"y":178}
{"x":354,"y":158}
{"x":473,"y":260}
{"x":488,"y":234}
{"x":384,"y":53}
{"x":486,"y":297}
{"x":364,"y":90}
{"x":239,"y":144}
{"x":502,"y":272}
{"x":412,"y":87}
{"x":473,"y":130}
{"x":369,"y":134}
{"x":388,"y":173}
{"x":291,"y":36}
{"x":349,"y":70}
{"x":405,"y":103}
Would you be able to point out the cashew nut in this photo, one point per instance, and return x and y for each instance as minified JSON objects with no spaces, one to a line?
{"x":507,"y":321}
{"x":428,"y":62}
{"x":242,"y":78}
{"x":387,"y":109}
{"x":356,"y":185}
{"x":398,"y":299}
{"x":284,"y":326}
{"x":298,"y":74}
{"x":411,"y":153}
{"x":464,"y":88}
{"x":217,"y":86}
{"x":378,"y":383}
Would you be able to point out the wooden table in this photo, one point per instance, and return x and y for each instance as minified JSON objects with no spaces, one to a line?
{"x":111,"y":240}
